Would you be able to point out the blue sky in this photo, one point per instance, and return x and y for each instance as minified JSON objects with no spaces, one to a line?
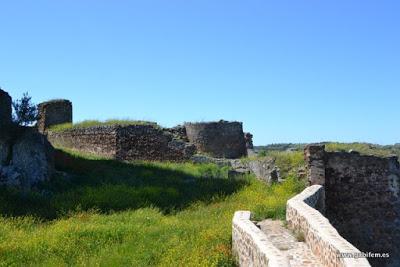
{"x":292,"y":71}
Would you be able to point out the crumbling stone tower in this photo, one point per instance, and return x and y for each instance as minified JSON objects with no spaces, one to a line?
{"x":220,"y":139}
{"x":5,"y":125}
{"x":54,"y":112}
{"x":5,"y":111}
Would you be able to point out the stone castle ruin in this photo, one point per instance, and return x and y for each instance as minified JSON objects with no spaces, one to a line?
{"x":352,"y":203}
{"x":143,"y":141}
{"x":26,"y":153}
{"x":361,"y":198}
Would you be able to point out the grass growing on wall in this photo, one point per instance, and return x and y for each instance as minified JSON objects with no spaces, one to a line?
{"x":92,"y":123}
{"x":132,"y":214}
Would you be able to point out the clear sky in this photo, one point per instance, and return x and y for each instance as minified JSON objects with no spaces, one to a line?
{"x":292,"y":71}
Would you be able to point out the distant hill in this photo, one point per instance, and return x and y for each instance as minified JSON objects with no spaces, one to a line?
{"x":363,"y":148}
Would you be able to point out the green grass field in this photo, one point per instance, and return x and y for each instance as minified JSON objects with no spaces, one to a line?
{"x":108,"y":213}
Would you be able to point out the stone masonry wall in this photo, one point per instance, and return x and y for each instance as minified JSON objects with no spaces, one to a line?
{"x":251,"y":246}
{"x":218,"y":139}
{"x":362,"y":199}
{"x":101,"y":140}
{"x":134,"y":142}
{"x":303,"y":215}
{"x":146,"y":142}
{"x":363,"y":202}
{"x":54,"y":112}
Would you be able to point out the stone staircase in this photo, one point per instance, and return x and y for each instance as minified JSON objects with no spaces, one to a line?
{"x":297,"y":251}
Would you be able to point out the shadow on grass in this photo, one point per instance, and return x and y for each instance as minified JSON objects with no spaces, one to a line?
{"x":108,"y":185}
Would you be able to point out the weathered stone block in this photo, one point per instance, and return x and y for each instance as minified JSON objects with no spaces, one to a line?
{"x":264,"y":169}
{"x":32,"y":156}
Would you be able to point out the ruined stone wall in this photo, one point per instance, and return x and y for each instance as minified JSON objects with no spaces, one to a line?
{"x":134,"y":142}
{"x":146,"y":142}
{"x":218,"y":139}
{"x":362,"y":199}
{"x":101,"y":140}
{"x":54,"y":112}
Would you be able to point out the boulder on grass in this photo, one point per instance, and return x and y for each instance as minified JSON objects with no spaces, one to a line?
{"x":33,"y":157}
{"x":264,"y":169}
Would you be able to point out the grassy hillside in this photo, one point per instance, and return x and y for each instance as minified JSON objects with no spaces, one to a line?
{"x":132,"y":214}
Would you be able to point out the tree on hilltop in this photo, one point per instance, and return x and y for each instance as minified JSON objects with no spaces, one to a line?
{"x":25,"y":112}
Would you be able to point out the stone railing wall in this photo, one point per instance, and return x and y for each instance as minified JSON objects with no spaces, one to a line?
{"x":303,"y":215}
{"x":251,"y":246}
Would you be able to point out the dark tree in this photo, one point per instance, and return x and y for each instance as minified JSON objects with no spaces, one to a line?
{"x":25,"y":112}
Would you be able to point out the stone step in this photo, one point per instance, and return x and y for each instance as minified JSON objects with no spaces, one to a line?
{"x":297,"y":251}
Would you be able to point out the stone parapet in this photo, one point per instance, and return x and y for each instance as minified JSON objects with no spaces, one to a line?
{"x":325,"y":242}
{"x":251,"y":246}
